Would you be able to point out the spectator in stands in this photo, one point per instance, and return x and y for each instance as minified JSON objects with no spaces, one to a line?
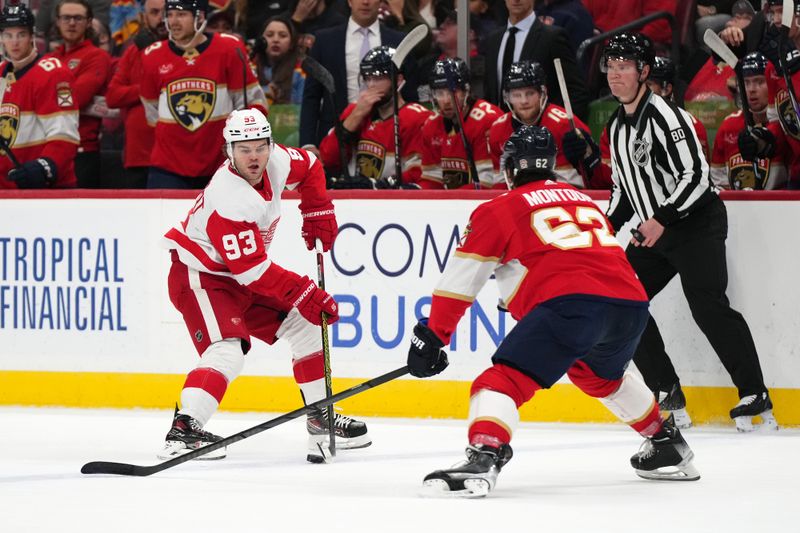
{"x":713,"y":15}
{"x":736,"y":148}
{"x":445,"y":39}
{"x":123,"y":93}
{"x":609,"y":15}
{"x":38,"y":118}
{"x":363,"y":139}
{"x":450,"y":160}
{"x":256,"y":12}
{"x":571,"y":15}
{"x":361,"y":34}
{"x":483,"y":22}
{"x":536,"y":41}
{"x":403,"y":16}
{"x":525,"y":93}
{"x":310,"y":16}
{"x":221,"y":21}
{"x":278,"y":62}
{"x":91,"y":69}
{"x":189,"y":84}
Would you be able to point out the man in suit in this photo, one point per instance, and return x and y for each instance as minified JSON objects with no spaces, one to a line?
{"x":340,"y":50}
{"x":535,"y":41}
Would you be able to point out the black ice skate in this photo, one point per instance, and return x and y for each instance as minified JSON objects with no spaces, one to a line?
{"x":186,"y":435}
{"x":665,"y":456}
{"x":350,"y":434}
{"x":750,"y":407}
{"x":673,"y":402}
{"x":472,"y":478}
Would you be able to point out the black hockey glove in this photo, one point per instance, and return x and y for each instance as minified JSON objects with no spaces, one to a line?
{"x":758,"y":143}
{"x":36,"y":174}
{"x":580,"y":149}
{"x":387,"y":182}
{"x":353,"y":182}
{"x":425,"y":355}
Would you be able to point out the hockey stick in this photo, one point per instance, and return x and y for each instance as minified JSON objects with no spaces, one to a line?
{"x":408,"y":43}
{"x":124,"y":469}
{"x":787,"y":19}
{"x":313,"y":68}
{"x":451,"y":83}
{"x":719,"y":47}
{"x":6,"y":149}
{"x":562,"y":85}
{"x":326,"y":350}
{"x":244,"y":75}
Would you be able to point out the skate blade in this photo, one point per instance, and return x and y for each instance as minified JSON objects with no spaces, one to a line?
{"x":354,"y":443}
{"x":684,"y":471}
{"x":176,"y":449}
{"x":319,"y":453}
{"x":744,"y":424}
{"x":438,"y":488}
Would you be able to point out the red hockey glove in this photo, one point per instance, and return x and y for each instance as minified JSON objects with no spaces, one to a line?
{"x":320,"y":224}
{"x":312,"y":301}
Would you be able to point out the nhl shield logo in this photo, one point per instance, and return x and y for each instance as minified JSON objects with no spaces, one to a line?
{"x":370,"y":157}
{"x":9,"y":123}
{"x":641,"y":152}
{"x":191,"y":101}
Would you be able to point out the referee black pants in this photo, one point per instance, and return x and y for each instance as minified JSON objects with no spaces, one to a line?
{"x":694,"y":248}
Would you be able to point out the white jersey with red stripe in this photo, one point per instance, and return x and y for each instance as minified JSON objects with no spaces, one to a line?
{"x":230,"y":227}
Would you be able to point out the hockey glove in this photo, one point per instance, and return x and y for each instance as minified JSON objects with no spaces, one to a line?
{"x":757,"y":143}
{"x":354,"y":182}
{"x":425,"y":356}
{"x":312,"y":301}
{"x":36,"y":174}
{"x":391,"y":182}
{"x":580,"y":149}
{"x":319,"y":224}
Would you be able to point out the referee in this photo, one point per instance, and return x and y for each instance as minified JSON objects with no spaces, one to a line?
{"x":660,"y":173}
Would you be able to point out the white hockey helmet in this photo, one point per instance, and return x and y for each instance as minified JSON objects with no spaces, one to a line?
{"x":245,"y":125}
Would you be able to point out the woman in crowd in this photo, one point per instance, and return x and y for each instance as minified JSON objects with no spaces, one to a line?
{"x":278,"y":62}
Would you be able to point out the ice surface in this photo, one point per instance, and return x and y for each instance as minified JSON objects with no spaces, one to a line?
{"x":562,"y":478}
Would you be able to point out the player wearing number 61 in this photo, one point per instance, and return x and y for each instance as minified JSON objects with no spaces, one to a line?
{"x":579,"y":308}
{"x":38,"y":116}
{"x":228,"y":289}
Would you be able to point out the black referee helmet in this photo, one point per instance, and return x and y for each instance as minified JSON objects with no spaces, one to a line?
{"x":528,"y":155}
{"x":629,"y":46}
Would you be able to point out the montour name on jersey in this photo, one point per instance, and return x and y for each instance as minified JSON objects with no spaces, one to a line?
{"x":550,"y":196}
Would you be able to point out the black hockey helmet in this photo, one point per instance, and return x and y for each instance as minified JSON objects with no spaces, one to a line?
{"x":753,"y":64}
{"x":529,"y":148}
{"x":16,"y":15}
{"x":450,"y":73}
{"x":629,"y":46}
{"x":196,"y":6}
{"x":663,"y":71}
{"x":377,"y":62}
{"x":524,"y":74}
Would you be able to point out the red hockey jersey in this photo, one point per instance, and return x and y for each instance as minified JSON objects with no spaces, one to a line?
{"x":554,"y":119}
{"x":542,"y":240}
{"x":731,"y":171}
{"x":91,"y":69}
{"x":229,"y":230}
{"x":780,"y":109}
{"x":39,"y":118}
{"x":444,"y":160}
{"x":123,"y":94}
{"x":374,"y":153}
{"x":188,"y":95}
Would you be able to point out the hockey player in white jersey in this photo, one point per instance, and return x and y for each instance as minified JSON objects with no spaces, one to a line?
{"x":228,"y":289}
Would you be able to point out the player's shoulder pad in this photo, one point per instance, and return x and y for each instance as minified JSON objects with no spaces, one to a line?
{"x":232,"y":197}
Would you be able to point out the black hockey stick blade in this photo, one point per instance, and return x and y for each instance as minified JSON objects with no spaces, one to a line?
{"x":124,"y":469}
{"x":319,"y":73}
{"x":409,"y":42}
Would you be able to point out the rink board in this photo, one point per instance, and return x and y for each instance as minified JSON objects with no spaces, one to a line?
{"x":85,"y":319}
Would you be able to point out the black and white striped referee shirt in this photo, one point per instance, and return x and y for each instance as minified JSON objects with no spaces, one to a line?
{"x":658,"y":166}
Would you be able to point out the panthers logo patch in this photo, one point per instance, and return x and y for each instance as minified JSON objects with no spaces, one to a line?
{"x":786,"y":114}
{"x":370,"y":158}
{"x":742,"y":176}
{"x":455,"y":172}
{"x":9,"y":124}
{"x":191,"y":101}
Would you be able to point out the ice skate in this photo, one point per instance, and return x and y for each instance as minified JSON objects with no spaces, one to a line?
{"x":673,"y":402}
{"x":474,"y":477}
{"x":187,"y":435}
{"x":750,"y":407}
{"x":350,"y":434}
{"x":665,"y":456}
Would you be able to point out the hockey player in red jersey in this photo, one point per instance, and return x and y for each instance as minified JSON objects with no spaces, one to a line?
{"x":190,"y":83}
{"x":525,"y":93}
{"x":735,"y":148}
{"x":38,"y":116}
{"x":580,"y":310}
{"x":366,"y":132}
{"x":445,"y":160}
{"x":228,"y":289}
